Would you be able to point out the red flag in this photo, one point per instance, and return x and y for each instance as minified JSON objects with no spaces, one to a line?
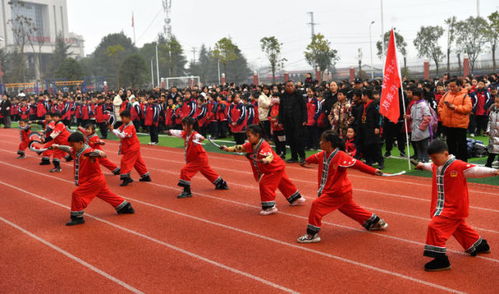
{"x":389,"y":104}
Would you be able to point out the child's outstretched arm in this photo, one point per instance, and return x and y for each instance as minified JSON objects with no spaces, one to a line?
{"x":480,"y":172}
{"x":359,"y":165}
{"x":423,"y":166}
{"x":64,"y":148}
{"x":175,"y":133}
{"x":312,"y":159}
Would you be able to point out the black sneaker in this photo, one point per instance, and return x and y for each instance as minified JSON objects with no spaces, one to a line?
{"x":21,"y":156}
{"x":68,"y":158}
{"x":127,"y":209}
{"x":145,"y":179}
{"x":402,"y":154}
{"x":438,"y":264}
{"x":292,"y":160}
{"x":116,"y":172}
{"x":75,"y":221}
{"x":482,"y":248}
{"x":56,"y":170}
{"x":126,"y":181}
{"x":388,"y":154}
{"x":222,"y":185}
{"x":184,"y":194}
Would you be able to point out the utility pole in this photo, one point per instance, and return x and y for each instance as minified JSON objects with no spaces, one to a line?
{"x":371,"y":49}
{"x":152,"y":73}
{"x":312,"y":23}
{"x":157,"y":62}
{"x":478,"y":8}
{"x":382,"y":31}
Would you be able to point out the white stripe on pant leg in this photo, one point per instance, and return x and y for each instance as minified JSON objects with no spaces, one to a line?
{"x":173,"y":247}
{"x":71,"y":256}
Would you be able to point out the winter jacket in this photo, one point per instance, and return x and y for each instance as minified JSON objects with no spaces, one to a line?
{"x":460,"y":116}
{"x":420,"y":119}
{"x":493,"y":130}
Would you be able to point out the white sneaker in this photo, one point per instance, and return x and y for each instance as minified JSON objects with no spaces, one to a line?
{"x":298,"y":202}
{"x":269,"y":211}
{"x":381,"y":225}
{"x":309,"y":238}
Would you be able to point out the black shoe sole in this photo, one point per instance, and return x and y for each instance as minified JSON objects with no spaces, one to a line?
{"x":437,"y":269}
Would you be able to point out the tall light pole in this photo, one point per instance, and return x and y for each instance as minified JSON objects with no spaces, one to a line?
{"x":157,"y":62}
{"x":371,"y":48}
{"x":152,"y":73}
{"x":382,"y":31}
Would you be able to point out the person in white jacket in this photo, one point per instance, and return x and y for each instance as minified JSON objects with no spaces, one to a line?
{"x":493,"y":132}
{"x":117,"y":105}
{"x":263,"y":110}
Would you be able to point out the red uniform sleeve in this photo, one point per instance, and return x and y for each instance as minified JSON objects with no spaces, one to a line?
{"x":313,"y":158}
{"x":247,"y":147}
{"x":359,"y":165}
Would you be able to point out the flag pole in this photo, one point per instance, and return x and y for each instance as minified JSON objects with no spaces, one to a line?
{"x":408,"y":148}
{"x":133,"y":25}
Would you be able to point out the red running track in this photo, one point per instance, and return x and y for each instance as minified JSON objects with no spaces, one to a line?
{"x":216,"y":242}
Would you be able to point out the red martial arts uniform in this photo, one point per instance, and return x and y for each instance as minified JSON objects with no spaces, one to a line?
{"x":90,"y":183}
{"x":449,"y":209}
{"x":130,"y":151}
{"x":270,"y":176}
{"x":96,"y":143}
{"x":60,"y":135}
{"x":335,"y":190}
{"x":24,"y":132}
{"x":196,"y":159}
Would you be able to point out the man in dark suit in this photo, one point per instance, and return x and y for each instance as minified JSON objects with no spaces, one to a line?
{"x":5,"y":111}
{"x":293,"y":116}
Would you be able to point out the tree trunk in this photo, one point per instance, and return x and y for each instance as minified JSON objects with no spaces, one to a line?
{"x":448,"y":60}
{"x":436,"y":66}
{"x":494,"y":56}
{"x":273,"y":74}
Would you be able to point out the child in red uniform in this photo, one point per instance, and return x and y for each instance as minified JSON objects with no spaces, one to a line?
{"x":276,"y":128}
{"x":335,"y":189}
{"x":59,"y":135}
{"x":25,"y":132}
{"x":89,"y":180}
{"x":130,"y":149}
{"x":449,"y":205}
{"x":196,"y":159}
{"x":93,"y":140}
{"x":350,"y":147}
{"x":268,"y":169}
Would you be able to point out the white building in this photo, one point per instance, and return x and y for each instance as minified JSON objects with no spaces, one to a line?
{"x":48,"y":17}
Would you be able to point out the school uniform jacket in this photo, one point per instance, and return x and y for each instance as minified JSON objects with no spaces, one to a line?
{"x":332,"y":177}
{"x":194,"y":151}
{"x":128,"y":136}
{"x":60,"y":134}
{"x":258,"y":152}
{"x":237,"y":114}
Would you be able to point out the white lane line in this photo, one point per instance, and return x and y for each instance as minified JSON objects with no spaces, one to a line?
{"x":173,"y":247}
{"x":71,"y":256}
{"x":175,"y":188}
{"x":370,"y":267}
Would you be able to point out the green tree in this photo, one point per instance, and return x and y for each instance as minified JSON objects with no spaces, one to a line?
{"x":426,"y":43}
{"x":59,"y":56}
{"x":22,"y":28}
{"x":451,"y":37}
{"x":107,"y":58}
{"x":238,"y":69}
{"x":225,"y":52}
{"x":133,"y":71}
{"x":69,"y":70}
{"x":272,"y":48}
{"x":401,"y":46}
{"x":472,"y":37}
{"x":172,"y":59}
{"x":493,"y":35}
{"x":319,"y":53}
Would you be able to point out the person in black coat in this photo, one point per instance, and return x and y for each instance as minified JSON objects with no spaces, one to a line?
{"x":369,"y":130}
{"x":293,"y":116}
{"x":5,"y":111}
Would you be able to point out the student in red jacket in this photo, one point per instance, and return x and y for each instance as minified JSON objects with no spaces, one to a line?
{"x":311,"y":141}
{"x":189,"y":105}
{"x":59,"y":135}
{"x":238,"y":119}
{"x":130,"y":151}
{"x":25,"y":131}
{"x":222,"y":115}
{"x":196,"y":159}
{"x":276,"y":128}
{"x":151,"y":119}
{"x":449,"y":206}
{"x":92,"y":140}
{"x":200,"y":115}
{"x":269,"y":171}
{"x":350,"y":147}
{"x":335,"y":189}
{"x":89,"y":180}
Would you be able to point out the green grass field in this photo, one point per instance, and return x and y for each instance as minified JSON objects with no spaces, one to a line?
{"x":392,"y":165}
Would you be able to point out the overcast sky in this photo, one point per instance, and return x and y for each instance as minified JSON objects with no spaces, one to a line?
{"x":196,"y":22}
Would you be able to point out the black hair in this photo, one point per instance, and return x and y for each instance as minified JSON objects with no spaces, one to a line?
{"x":125,"y":113}
{"x":76,"y":137}
{"x":336,"y":141}
{"x":417,"y":92}
{"x":437,"y":146}
{"x":188,"y":121}
{"x":367,"y":92}
{"x":457,"y":81}
{"x":90,"y":126}
{"x":255,"y":129}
